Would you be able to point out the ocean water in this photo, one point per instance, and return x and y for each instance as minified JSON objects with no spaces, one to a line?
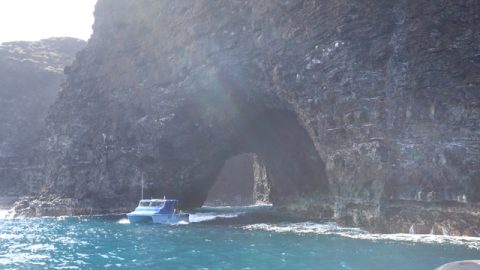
{"x":219,"y":238}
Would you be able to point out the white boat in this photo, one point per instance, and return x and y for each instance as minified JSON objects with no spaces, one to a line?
{"x":157,"y":211}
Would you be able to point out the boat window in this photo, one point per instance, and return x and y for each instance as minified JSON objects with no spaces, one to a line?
{"x":144,"y":204}
{"x":156,"y":204}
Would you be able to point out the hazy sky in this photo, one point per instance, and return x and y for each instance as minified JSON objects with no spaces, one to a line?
{"x":38,"y":19}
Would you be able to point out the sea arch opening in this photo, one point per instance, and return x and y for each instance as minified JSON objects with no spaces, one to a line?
{"x":242,"y":181}
{"x":285,"y":162}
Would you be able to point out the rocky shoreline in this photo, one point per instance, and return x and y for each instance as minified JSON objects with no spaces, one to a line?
{"x":53,"y":206}
{"x":394,"y":216}
{"x":410,"y":217}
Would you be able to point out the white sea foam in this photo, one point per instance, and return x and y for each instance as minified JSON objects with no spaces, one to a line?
{"x":8,"y":236}
{"x":201,"y":217}
{"x":181,"y":223}
{"x":15,"y":258}
{"x":3,"y":214}
{"x":41,"y":247}
{"x":236,"y":207}
{"x":123,"y":221}
{"x":356,"y":233}
{"x":216,"y":212}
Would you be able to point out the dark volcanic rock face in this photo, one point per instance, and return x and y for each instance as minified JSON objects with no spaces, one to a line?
{"x":354,"y":108}
{"x":30,"y":78}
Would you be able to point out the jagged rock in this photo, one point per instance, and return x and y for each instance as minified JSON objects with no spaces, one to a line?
{"x":30,"y":78}
{"x":51,"y":205}
{"x":354,"y":107}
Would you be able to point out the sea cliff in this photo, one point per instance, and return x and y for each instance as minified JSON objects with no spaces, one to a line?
{"x":367,"y":112}
{"x":31,"y":74}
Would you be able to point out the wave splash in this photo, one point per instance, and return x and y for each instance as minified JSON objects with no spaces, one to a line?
{"x":3,"y":214}
{"x":202,"y":217}
{"x":209,"y":213}
{"x":356,"y":233}
{"x":123,"y":221}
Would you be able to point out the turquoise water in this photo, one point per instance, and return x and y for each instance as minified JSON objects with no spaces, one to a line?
{"x":218,"y":238}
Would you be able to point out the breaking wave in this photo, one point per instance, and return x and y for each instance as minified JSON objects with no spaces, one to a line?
{"x":210,"y":213}
{"x":356,"y":233}
{"x":201,"y":217}
{"x":123,"y":221}
{"x":3,"y":214}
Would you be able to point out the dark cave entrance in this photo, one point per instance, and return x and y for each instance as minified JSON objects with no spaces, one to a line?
{"x":285,"y":162}
{"x":240,"y":182}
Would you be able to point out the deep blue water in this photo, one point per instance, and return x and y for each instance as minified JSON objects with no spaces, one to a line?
{"x":255,"y":240}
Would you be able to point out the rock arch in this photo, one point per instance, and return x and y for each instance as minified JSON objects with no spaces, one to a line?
{"x":287,"y":152}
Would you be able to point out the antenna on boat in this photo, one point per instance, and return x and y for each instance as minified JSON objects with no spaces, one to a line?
{"x":142,"y":186}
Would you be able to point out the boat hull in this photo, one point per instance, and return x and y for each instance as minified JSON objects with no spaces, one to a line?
{"x":170,"y":218}
{"x":135,"y":218}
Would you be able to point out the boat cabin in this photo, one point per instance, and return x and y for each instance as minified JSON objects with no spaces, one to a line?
{"x":151,"y":203}
{"x":159,"y":206}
